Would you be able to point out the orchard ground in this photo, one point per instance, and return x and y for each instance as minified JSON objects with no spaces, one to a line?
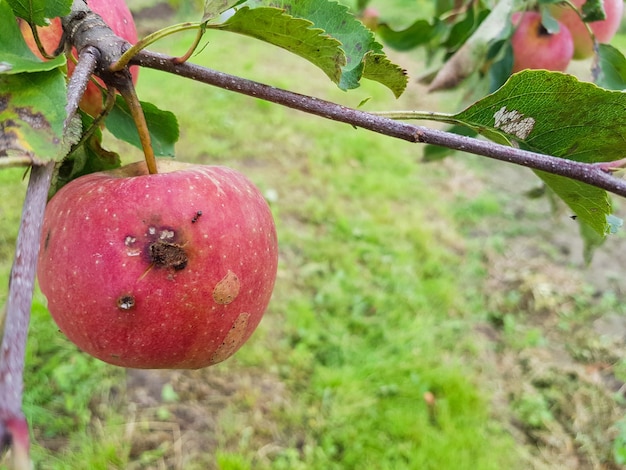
{"x":425,"y":315}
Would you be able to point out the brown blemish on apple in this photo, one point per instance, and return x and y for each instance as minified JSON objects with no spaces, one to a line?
{"x":168,"y":255}
{"x":227,"y":289}
{"x":234,"y":338}
{"x":126,"y":302}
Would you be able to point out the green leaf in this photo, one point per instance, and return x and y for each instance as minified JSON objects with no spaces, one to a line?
{"x":15,"y":56}
{"x":32,"y":111}
{"x":357,"y":42}
{"x":296,"y":35}
{"x":462,"y":30}
{"x":214,"y":8}
{"x":612,"y":65}
{"x":87,"y":158}
{"x":592,"y":240}
{"x":419,"y":33}
{"x":38,"y":11}
{"x":377,"y":68}
{"x":352,"y":43}
{"x":549,"y":22}
{"x":163,"y":127}
{"x":591,"y":204}
{"x":470,"y":57}
{"x":549,"y":113}
{"x":593,"y":10}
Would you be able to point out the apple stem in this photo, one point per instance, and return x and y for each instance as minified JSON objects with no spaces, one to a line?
{"x":13,"y":429}
{"x":127,"y":90}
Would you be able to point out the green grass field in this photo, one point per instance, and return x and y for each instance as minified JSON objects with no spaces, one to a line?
{"x":398,"y":337}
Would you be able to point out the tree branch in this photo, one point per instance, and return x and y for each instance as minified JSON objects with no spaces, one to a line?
{"x":13,"y":427}
{"x":87,"y":62}
{"x":586,"y":172}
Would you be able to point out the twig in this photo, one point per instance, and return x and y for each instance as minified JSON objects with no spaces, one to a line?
{"x":87,"y":62}
{"x":586,"y":172}
{"x":22,"y":280}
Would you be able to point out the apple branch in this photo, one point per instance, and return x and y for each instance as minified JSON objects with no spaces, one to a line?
{"x":13,"y":427}
{"x":87,"y":62}
{"x":599,"y":176}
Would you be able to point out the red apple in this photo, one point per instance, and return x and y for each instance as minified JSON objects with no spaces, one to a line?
{"x":603,"y":30}
{"x":535,"y":48}
{"x":171,"y":270}
{"x":116,"y":14}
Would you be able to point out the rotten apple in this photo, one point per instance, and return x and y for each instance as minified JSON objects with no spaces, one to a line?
{"x":166,"y":270}
{"x":116,"y":14}
{"x":535,"y":48}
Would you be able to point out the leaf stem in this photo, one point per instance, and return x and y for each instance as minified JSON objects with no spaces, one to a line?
{"x":39,"y":44}
{"x":421,"y":115}
{"x":127,"y":90}
{"x":584,"y":172}
{"x":185,"y":57}
{"x":19,"y":302}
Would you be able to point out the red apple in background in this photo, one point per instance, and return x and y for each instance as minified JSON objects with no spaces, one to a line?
{"x":535,"y":48}
{"x":370,"y":18}
{"x":603,"y":30}
{"x":116,"y":14}
{"x":171,"y":270}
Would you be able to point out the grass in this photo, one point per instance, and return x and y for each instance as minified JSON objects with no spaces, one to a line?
{"x":369,"y":355}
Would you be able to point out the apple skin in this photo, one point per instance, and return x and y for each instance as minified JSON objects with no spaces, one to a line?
{"x":172,"y":270}
{"x":535,"y":48}
{"x":603,"y":30}
{"x":116,"y":14}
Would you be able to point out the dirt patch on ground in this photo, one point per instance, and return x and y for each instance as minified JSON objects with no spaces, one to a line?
{"x":177,"y":418}
{"x":553,"y":349}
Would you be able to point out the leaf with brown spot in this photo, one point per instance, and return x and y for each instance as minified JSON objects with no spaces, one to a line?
{"x":32,"y":111}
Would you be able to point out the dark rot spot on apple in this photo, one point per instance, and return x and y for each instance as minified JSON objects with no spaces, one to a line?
{"x":227,"y":289}
{"x":167,"y":255}
{"x":126,"y":302}
{"x":196,"y":216}
{"x":234,"y":338}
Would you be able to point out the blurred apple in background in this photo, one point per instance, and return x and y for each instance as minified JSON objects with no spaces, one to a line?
{"x":535,"y":48}
{"x":603,"y":30}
